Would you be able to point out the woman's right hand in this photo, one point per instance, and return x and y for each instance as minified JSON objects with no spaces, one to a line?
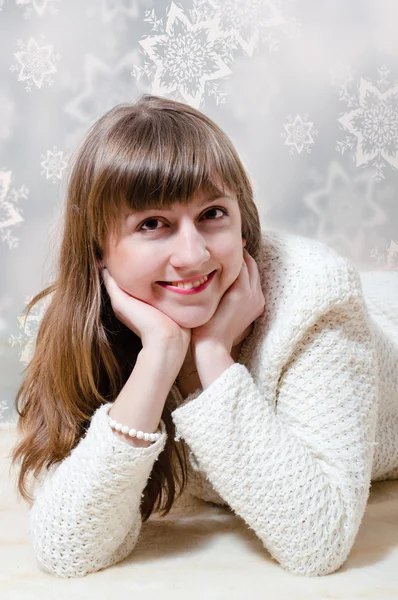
{"x":146,"y":321}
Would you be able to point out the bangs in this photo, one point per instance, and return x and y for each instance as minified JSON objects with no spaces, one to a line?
{"x":155,"y":159}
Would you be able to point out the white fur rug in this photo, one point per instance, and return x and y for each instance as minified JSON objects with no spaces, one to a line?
{"x":199,"y":551}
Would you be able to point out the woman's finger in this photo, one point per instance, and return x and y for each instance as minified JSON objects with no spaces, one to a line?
{"x":252,"y":273}
{"x":105,"y":276}
{"x":110,"y":284}
{"x":108,"y":277}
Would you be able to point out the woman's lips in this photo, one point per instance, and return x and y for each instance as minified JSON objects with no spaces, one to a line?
{"x":196,"y":290}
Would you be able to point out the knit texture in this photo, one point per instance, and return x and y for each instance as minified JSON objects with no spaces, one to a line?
{"x":86,"y":513}
{"x":289,"y":437}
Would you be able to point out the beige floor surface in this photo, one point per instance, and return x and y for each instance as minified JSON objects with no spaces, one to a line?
{"x":200,"y":551}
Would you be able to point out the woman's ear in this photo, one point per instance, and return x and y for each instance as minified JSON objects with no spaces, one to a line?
{"x":243,"y":241}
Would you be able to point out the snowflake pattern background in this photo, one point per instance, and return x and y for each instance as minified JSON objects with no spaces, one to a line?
{"x":35,"y":63}
{"x":313,"y":119}
{"x":371,"y":123}
{"x":28,"y":326}
{"x":299,"y":134}
{"x":11,"y":214}
{"x":53,"y":164}
{"x":185,"y":58}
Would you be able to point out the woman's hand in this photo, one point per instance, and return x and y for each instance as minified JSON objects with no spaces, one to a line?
{"x":241,"y":304}
{"x":146,"y":321}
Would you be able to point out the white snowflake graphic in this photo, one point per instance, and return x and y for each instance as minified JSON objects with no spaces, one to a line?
{"x":345,"y":210}
{"x":299,"y":133}
{"x":40,"y":7}
{"x":372,"y":125}
{"x":35,"y":63}
{"x":249,"y":23}
{"x":105,"y":86}
{"x":187,"y":57}
{"x":10,"y":212}
{"x":387,"y":260}
{"x":54,"y":164}
{"x":29,"y":327}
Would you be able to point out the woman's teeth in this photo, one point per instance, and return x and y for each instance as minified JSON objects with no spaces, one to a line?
{"x":188,"y":286}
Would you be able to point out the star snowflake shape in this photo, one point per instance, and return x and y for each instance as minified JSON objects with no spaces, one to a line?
{"x":35,"y":63}
{"x":372,"y":126}
{"x":54,"y":164}
{"x":250,"y":23}
{"x":299,"y":133}
{"x":185,"y":58}
{"x":345,"y":209}
{"x":105,"y":86}
{"x":10,"y":212}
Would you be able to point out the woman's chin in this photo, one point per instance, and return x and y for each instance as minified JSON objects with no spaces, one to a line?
{"x":187,"y":316}
{"x":191,"y":321}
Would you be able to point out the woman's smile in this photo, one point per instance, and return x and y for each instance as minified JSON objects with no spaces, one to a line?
{"x":189,"y":288}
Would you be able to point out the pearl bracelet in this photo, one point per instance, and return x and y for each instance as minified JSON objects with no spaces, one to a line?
{"x":148,"y":437}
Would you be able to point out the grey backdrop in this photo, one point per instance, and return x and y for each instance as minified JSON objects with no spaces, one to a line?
{"x":307,"y":90}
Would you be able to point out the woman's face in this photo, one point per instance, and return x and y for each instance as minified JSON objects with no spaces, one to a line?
{"x":176,"y":244}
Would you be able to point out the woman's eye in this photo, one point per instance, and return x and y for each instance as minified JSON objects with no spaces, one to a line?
{"x":224,"y":212}
{"x":146,"y":222}
{"x":211,"y":210}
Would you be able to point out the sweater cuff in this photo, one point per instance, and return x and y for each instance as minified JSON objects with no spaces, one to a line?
{"x":202,"y":406}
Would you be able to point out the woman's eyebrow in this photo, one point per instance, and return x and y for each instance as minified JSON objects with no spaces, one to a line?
{"x":170,"y":209}
{"x":214,"y":197}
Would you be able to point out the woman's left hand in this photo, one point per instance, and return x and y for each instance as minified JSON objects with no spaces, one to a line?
{"x":240,"y":305}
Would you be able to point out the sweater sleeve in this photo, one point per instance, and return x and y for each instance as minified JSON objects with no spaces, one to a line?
{"x":86,"y":511}
{"x":298,"y":475}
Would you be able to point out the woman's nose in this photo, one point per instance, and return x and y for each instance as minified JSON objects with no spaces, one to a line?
{"x":190,"y":251}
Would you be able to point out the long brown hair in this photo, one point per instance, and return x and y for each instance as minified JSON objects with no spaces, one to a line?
{"x":153,"y":152}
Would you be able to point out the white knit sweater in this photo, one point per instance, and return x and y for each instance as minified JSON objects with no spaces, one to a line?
{"x":289,"y":437}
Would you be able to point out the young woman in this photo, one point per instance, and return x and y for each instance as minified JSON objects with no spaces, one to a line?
{"x":269,"y":384}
